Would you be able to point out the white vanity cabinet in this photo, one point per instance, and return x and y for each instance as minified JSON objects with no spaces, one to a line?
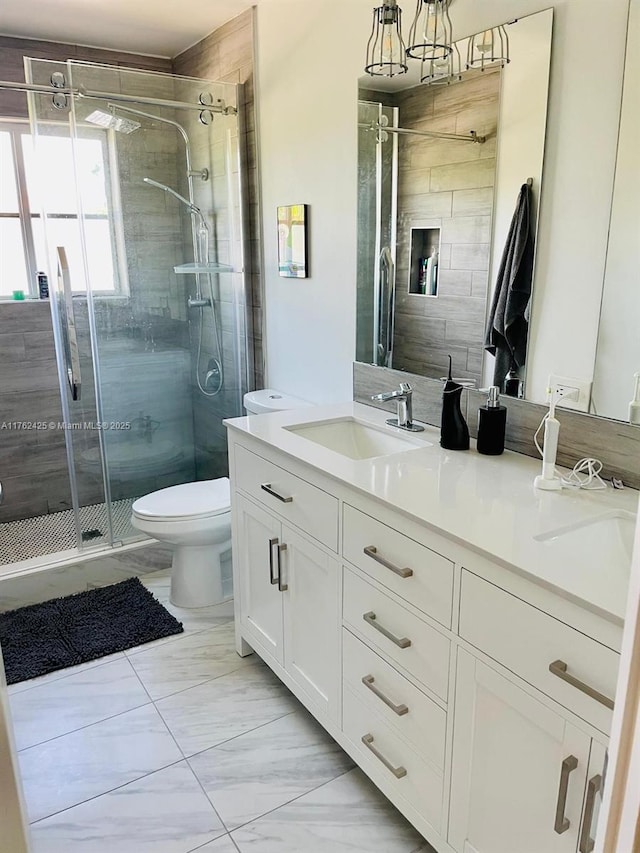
{"x":472,"y":697}
{"x":288,"y":589}
{"x":519,"y":768}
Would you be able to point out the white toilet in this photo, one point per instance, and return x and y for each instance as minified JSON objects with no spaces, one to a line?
{"x":196,"y":519}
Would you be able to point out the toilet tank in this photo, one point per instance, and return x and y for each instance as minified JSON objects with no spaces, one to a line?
{"x":269,"y":400}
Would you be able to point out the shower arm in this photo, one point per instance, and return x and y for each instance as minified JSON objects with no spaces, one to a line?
{"x":187,"y":150}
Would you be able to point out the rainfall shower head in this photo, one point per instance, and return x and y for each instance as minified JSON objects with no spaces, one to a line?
{"x":113,"y":122}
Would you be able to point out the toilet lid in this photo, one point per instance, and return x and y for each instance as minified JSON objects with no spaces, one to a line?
{"x":190,"y":500}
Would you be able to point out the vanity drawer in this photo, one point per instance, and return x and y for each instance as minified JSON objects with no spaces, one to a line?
{"x":394,"y":760}
{"x":412,"y":571}
{"x":529,"y":642}
{"x":396,"y":700}
{"x":309,"y":508}
{"x":415,"y":646}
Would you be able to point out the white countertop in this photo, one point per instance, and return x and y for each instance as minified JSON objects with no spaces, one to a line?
{"x":483,"y":502}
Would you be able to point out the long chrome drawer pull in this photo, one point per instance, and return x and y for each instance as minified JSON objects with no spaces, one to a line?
{"x":372,"y":551}
{"x":283,"y":587}
{"x":369,"y":683}
{"x":563,"y":823}
{"x":272,"y":578}
{"x":266,"y":487}
{"x":559,"y":668}
{"x":398,"y":772}
{"x":401,"y":642}
{"x":586,"y":841}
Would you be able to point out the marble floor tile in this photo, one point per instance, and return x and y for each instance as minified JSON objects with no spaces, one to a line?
{"x":66,"y":704}
{"x":266,"y":768}
{"x":166,"y":812}
{"x":347,"y":815}
{"x":21,"y":686}
{"x":220,"y":845}
{"x":73,"y":768}
{"x":191,"y":660}
{"x":226,"y":707}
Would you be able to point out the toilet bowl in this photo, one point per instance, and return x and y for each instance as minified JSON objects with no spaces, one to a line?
{"x":196,"y":519}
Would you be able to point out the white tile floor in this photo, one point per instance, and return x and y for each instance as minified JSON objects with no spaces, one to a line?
{"x":180,"y":745}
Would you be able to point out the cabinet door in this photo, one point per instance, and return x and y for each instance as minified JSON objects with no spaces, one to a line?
{"x":312,"y":621}
{"x":519,"y":769}
{"x":261,"y":603}
{"x":593,"y":798}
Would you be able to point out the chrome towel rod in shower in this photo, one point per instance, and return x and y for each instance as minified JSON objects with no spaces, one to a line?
{"x":81,"y":92}
{"x":472,"y":136}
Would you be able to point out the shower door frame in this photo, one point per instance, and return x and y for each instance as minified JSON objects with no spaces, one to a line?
{"x":242,"y":339}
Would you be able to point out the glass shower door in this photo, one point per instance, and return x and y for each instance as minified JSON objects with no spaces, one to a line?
{"x":153,"y":302}
{"x":167,"y":319}
{"x":55,"y":164}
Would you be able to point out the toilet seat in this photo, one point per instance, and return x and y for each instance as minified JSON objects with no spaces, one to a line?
{"x":189,"y":501}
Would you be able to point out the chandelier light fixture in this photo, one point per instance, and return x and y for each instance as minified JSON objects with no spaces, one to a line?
{"x":431,"y":33}
{"x":386,"y":51}
{"x":488,"y":49}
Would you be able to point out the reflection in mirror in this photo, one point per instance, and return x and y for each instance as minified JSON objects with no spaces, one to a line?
{"x":618,"y":353}
{"x":440,"y":171}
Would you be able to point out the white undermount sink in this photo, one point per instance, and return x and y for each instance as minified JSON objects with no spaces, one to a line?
{"x":607,"y":537}
{"x":357,"y":439}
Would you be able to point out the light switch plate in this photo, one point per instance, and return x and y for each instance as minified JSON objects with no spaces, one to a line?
{"x":582,"y":386}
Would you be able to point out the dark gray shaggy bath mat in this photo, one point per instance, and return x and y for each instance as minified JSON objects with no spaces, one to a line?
{"x":67,"y":631}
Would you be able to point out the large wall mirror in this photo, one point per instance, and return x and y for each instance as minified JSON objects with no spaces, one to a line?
{"x":450,"y":178}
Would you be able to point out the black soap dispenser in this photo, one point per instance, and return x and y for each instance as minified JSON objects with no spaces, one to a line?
{"x":454,"y":432}
{"x":492,"y":424}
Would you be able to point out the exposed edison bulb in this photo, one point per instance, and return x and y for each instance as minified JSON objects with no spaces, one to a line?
{"x":484,"y":44}
{"x":391,"y":48}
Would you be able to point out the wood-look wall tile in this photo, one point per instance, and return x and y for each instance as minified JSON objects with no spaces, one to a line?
{"x":615,"y":443}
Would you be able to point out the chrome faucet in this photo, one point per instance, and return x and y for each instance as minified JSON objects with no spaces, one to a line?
{"x":403,"y":395}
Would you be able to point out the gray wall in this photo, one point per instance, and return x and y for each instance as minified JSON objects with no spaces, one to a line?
{"x":226,"y":55}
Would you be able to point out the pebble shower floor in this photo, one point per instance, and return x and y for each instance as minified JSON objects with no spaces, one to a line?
{"x":48,"y":534}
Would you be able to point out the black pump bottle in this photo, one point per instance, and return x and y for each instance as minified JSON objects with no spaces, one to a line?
{"x":454,"y":432}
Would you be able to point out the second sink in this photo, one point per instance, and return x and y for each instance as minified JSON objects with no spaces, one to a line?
{"x":357,"y":439}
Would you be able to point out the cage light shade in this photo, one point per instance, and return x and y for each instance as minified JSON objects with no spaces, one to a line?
{"x":442,"y":71}
{"x":431,"y":33}
{"x":488,"y":48}
{"x":386,"y":51}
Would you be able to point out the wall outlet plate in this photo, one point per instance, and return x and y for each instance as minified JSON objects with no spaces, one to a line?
{"x":581,"y":386}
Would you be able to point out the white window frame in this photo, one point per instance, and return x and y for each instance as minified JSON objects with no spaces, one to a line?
{"x":17,"y":129}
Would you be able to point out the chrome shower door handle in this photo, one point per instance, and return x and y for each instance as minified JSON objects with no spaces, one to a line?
{"x":67,"y":321}
{"x":1,"y":493}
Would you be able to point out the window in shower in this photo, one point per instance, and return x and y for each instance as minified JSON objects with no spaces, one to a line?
{"x":25,"y":192}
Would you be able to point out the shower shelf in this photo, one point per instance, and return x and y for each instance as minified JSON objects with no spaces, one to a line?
{"x":191,"y":269}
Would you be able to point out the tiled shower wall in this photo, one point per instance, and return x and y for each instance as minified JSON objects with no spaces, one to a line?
{"x":226,"y":55}
{"x":448,"y":185}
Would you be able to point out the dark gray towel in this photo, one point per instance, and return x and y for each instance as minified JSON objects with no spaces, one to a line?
{"x":508,"y":325}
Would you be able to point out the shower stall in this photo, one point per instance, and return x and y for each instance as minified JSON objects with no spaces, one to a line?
{"x":131,"y":200}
